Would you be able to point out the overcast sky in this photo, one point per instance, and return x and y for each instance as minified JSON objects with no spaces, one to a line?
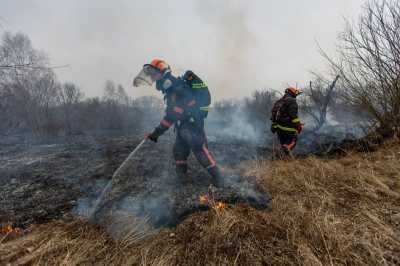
{"x":235,"y":46}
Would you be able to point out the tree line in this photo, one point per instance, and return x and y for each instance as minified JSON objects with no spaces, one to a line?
{"x":33,"y":100}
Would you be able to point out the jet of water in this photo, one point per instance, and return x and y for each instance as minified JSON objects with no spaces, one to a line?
{"x":116,"y":173}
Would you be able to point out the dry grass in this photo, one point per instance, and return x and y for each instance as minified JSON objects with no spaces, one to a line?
{"x":75,"y":242}
{"x":325,"y":212}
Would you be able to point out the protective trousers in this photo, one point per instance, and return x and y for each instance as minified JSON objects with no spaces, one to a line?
{"x":287,"y":140}
{"x":194,"y":140}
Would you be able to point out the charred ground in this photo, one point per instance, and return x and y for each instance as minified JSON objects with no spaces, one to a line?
{"x":43,"y":181}
{"x":342,"y":211}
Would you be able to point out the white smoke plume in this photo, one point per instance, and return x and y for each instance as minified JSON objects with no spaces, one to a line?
{"x":233,"y":59}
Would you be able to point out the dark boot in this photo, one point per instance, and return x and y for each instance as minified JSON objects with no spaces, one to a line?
{"x":216,"y":177}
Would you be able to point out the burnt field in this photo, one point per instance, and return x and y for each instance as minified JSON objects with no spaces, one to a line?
{"x":325,"y":211}
{"x":338,"y":208}
{"x":53,"y":179}
{"x":46,"y":180}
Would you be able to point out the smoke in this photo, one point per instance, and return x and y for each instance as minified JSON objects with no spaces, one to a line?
{"x":240,"y":128}
{"x":233,"y":60}
{"x":84,"y":205}
{"x":113,"y":39}
{"x":235,"y":125}
{"x":157,"y":206}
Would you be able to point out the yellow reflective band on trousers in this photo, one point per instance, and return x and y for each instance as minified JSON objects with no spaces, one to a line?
{"x":199,"y":85}
{"x":296,"y":120}
{"x":204,"y":108}
{"x":289,"y":129}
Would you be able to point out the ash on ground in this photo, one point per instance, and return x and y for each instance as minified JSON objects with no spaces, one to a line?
{"x":149,"y":187}
{"x":41,"y":182}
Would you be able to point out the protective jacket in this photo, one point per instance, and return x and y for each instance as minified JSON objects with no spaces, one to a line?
{"x":187,"y":107}
{"x":284,"y":115}
{"x":183,"y":107}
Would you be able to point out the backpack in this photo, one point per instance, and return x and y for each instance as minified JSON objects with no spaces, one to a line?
{"x":200,"y":91}
{"x":278,"y":112}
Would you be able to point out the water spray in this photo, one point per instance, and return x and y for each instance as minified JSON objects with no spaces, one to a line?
{"x":116,"y":173}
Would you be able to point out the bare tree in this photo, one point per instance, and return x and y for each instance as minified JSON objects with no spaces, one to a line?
{"x":69,"y":96}
{"x":36,"y":97}
{"x":260,"y":104}
{"x":122,"y":97}
{"x":112,"y":115}
{"x":120,"y":111}
{"x":32,"y":99}
{"x":31,"y":92}
{"x":317,"y":99}
{"x":369,"y":62}
{"x":18,"y":54}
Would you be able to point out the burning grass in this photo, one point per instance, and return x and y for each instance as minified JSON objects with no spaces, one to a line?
{"x":9,"y":229}
{"x":324,"y":212}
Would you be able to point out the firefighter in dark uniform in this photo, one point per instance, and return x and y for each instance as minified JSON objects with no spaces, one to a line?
{"x":187,"y":101}
{"x":285,"y":120}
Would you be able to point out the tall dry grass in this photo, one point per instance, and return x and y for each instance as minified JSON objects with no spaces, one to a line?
{"x":342,"y":211}
{"x":76,"y":242}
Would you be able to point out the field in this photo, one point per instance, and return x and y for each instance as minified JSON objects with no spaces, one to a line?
{"x":337,"y":211}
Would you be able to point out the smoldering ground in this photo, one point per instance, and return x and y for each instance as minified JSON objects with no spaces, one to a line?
{"x":149,"y":189}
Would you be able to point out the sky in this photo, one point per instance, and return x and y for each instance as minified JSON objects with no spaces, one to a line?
{"x":235,"y":46}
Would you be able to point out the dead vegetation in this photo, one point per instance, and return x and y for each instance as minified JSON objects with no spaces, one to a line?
{"x":368,"y":62}
{"x":325,"y":212}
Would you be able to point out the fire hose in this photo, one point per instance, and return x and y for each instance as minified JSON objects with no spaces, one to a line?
{"x":116,"y":173}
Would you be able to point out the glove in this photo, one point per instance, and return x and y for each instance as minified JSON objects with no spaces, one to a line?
{"x":299,"y":128}
{"x":152,"y":136}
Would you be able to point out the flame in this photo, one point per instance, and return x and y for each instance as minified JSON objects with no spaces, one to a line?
{"x":203,"y":199}
{"x":220,"y":206}
{"x":9,"y":229}
{"x":206,"y":200}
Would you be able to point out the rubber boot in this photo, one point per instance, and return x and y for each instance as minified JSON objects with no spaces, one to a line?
{"x":216,"y":177}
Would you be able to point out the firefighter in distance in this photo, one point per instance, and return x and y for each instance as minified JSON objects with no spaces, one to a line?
{"x":285,"y":120}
